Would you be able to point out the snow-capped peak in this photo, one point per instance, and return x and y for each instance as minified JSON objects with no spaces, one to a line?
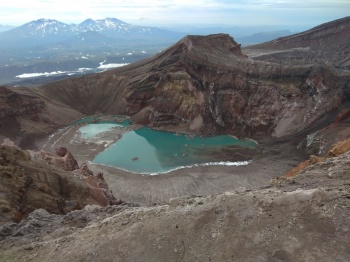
{"x":107,"y":24}
{"x":48,"y":27}
{"x":44,"y":27}
{"x":111,"y":23}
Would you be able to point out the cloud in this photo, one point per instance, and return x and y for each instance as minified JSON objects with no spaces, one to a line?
{"x":158,"y":12}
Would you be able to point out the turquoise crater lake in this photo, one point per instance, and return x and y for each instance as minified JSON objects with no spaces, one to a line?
{"x":92,"y":130}
{"x":148,"y":151}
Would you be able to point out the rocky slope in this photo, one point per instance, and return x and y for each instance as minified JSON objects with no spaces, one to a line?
{"x":25,"y":116}
{"x":206,"y":85}
{"x":318,"y":142}
{"x":16,"y":104}
{"x":327,"y":43}
{"x":304,"y":218}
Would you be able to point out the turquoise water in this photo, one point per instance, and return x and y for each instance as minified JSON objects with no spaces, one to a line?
{"x":91,"y":130}
{"x":87,"y":119}
{"x":96,"y":125}
{"x":148,"y":151}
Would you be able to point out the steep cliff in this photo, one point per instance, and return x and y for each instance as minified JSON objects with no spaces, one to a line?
{"x":26,"y":117}
{"x":206,"y":85}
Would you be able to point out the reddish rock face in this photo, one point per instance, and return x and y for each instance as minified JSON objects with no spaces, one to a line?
{"x":339,"y":148}
{"x":61,"y":151}
{"x":64,"y":159}
{"x":28,"y":184}
{"x":85,"y":170}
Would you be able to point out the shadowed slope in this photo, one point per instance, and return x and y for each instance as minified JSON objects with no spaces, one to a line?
{"x":328,"y":43}
{"x":206,"y":85}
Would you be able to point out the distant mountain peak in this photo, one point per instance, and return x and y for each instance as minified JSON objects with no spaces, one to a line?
{"x":112,"y":19}
{"x":45,"y":21}
{"x":88,"y":20}
{"x":112,"y":23}
{"x":44,"y":27}
{"x":52,"y":29}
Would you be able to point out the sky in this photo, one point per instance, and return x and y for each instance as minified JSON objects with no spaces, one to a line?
{"x":241,"y":13}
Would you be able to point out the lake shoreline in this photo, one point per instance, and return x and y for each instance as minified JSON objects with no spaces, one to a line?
{"x":272,"y":160}
{"x":201,"y":180}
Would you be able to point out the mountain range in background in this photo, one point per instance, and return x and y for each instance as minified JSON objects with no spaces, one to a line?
{"x":46,"y":49}
{"x":104,"y":31}
{"x":262,"y":37}
{"x":113,"y":24}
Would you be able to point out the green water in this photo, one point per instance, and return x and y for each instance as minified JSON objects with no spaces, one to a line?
{"x":91,"y":130}
{"x":148,"y":151}
{"x":97,"y":125}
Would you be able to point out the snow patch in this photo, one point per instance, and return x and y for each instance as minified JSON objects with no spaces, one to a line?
{"x":111,"y":66}
{"x":221,"y":163}
{"x":84,"y":69}
{"x":29,"y":75}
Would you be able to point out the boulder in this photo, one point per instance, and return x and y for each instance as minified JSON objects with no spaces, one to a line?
{"x":339,"y":148}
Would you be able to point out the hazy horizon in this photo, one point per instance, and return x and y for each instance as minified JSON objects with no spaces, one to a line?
{"x":168,"y":13}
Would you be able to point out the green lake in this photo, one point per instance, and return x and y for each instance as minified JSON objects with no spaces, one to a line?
{"x":92,"y":130}
{"x":148,"y":151}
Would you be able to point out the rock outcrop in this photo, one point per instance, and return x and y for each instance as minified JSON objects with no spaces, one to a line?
{"x":319,"y":142}
{"x":339,"y":148}
{"x":63,"y":159}
{"x":335,"y":150}
{"x":27,"y":184}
